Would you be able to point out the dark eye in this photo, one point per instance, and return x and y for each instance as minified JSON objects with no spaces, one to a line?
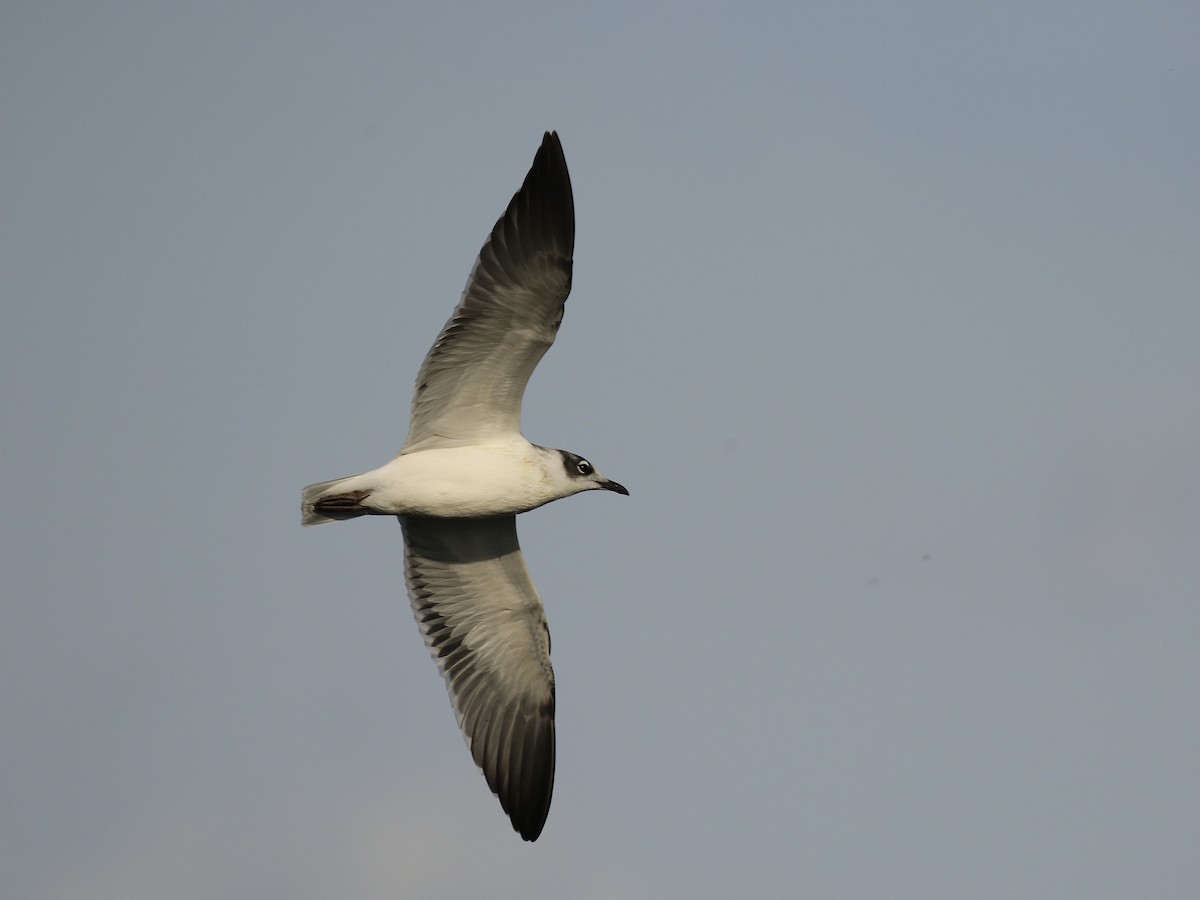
{"x":583,"y":467}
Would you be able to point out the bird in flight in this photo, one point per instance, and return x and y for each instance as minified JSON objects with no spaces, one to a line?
{"x":463,"y":475}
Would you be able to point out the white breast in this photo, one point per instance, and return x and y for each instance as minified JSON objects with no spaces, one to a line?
{"x":481,"y":480}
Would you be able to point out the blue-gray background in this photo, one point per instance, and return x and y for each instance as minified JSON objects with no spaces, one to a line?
{"x":887,"y":313}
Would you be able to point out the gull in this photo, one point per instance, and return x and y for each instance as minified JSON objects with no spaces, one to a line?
{"x":462,"y":476}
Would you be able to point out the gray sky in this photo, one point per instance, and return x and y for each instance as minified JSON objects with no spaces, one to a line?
{"x":887,"y":314}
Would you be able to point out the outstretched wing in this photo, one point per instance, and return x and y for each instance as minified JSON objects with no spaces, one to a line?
{"x":483,"y":622}
{"x":472,"y":380}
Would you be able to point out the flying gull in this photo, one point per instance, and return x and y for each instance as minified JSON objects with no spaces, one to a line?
{"x":463,"y":475}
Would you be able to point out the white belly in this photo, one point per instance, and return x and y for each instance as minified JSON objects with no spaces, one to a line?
{"x":488,"y":480}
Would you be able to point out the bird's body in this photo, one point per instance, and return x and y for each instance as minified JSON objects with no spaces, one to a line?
{"x":463,"y":475}
{"x":500,"y":477}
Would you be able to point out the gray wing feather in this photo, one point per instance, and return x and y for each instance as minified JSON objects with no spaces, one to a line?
{"x":484,"y":624}
{"x":472,"y":380}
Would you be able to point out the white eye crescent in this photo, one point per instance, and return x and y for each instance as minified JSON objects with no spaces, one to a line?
{"x":584,"y":467}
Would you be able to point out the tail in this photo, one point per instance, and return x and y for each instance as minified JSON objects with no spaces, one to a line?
{"x":323,"y":503}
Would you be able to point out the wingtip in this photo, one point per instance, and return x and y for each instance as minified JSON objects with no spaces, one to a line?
{"x":549,"y":180}
{"x":541,"y":215}
{"x":551,"y":146}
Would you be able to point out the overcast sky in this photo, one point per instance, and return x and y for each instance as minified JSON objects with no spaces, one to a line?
{"x":886,"y":313}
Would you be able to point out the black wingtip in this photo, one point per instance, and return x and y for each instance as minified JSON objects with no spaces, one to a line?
{"x":530,"y":779}
{"x":547,"y":197}
{"x":552,"y":147}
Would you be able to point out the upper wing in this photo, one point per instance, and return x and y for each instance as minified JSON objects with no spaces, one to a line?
{"x":484,"y":625}
{"x":470,"y":385}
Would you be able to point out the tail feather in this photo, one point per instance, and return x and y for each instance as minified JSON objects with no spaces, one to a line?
{"x":322,"y":503}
